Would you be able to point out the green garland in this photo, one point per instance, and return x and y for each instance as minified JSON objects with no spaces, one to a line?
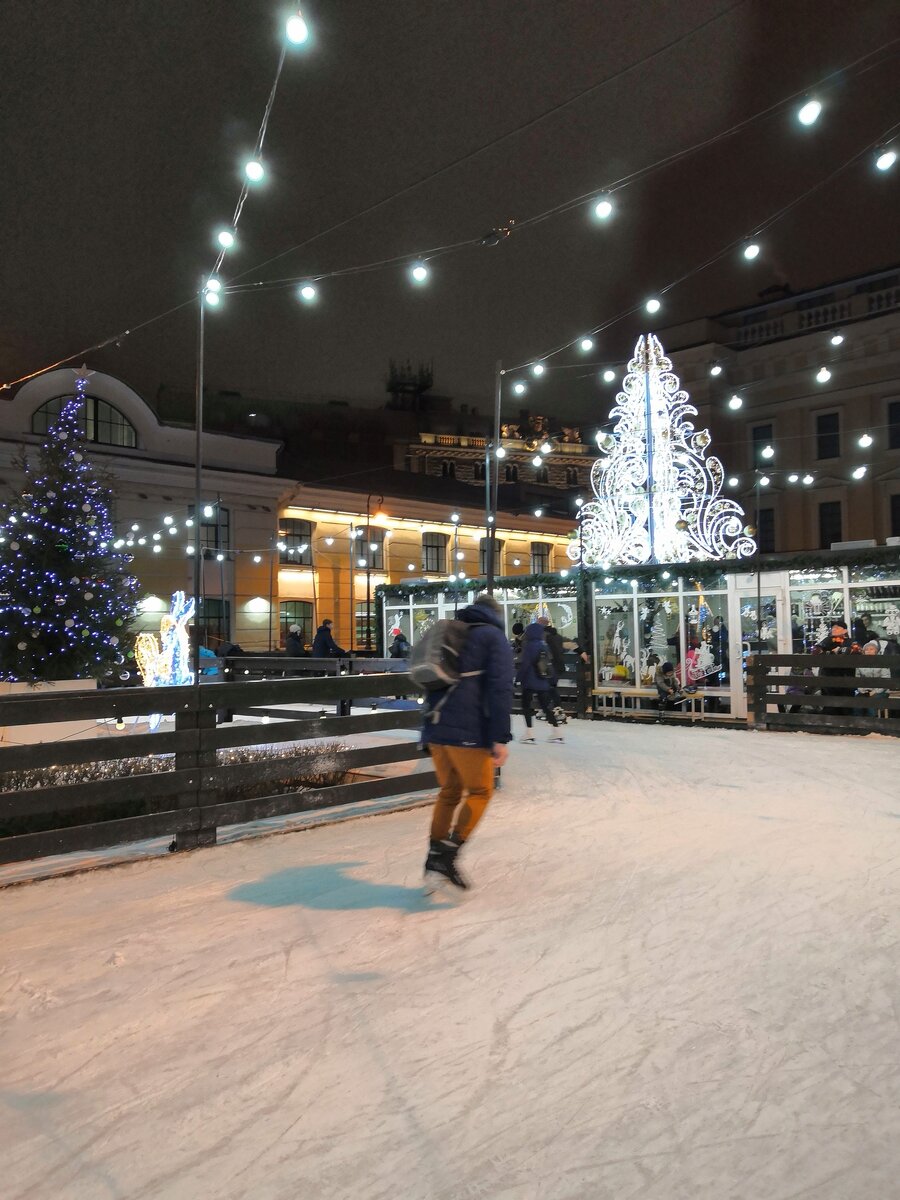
{"x":707,"y":575}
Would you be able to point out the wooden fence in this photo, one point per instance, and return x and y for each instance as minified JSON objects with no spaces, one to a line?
{"x":800,"y":691}
{"x":187,"y":800}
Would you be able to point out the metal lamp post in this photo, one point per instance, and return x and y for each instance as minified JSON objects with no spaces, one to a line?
{"x":369,"y":553}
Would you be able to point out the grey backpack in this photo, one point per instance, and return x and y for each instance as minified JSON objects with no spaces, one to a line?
{"x":434,"y":662}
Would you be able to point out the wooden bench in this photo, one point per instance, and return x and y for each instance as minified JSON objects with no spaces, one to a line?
{"x":624,"y":699}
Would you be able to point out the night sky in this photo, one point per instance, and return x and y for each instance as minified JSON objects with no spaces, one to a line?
{"x":125,"y":122}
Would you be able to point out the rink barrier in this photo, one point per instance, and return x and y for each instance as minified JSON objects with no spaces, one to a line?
{"x":769,"y":676}
{"x":189,"y":796}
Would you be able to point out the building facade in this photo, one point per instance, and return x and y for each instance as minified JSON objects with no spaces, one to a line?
{"x":812,"y":441}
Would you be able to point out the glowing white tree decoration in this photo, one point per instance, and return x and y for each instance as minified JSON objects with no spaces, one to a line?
{"x":657,"y":496}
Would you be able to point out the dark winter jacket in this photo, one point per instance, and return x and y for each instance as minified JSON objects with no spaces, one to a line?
{"x":557,"y":652}
{"x":476,"y":712}
{"x":399,"y":648}
{"x":533,"y":641}
{"x":324,"y":645}
{"x":293,"y":646}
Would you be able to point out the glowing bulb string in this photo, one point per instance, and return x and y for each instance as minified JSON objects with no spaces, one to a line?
{"x":233,"y":287}
{"x":257,"y":154}
{"x":640,"y":173}
{"x":522,"y":128}
{"x":767,"y":223}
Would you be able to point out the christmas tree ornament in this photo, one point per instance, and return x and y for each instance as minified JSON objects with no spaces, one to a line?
{"x":657,"y":496}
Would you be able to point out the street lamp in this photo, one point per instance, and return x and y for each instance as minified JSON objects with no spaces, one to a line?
{"x":369,"y":569}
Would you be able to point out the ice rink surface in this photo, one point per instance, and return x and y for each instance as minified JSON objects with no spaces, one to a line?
{"x":677,"y":979}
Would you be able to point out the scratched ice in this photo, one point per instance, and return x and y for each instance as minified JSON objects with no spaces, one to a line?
{"x":676,"y":980}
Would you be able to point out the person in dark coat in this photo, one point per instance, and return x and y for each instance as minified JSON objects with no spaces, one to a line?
{"x":536,"y":687}
{"x":324,"y":645}
{"x":557,"y":650}
{"x":837,"y":642}
{"x":466,"y":730}
{"x":400,"y":646}
{"x":293,"y":643}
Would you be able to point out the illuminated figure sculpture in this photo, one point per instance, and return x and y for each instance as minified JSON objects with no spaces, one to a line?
{"x":167,"y":662}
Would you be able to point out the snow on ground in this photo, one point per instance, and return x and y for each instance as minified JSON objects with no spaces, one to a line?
{"x":676,"y":980}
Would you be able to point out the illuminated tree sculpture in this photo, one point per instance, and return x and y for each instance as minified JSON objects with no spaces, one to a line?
{"x":657,"y":496}
{"x":66,"y":598}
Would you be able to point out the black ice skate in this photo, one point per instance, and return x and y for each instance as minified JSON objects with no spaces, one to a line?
{"x":441,"y":871}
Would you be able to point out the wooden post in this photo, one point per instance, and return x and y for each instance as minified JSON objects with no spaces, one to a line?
{"x":196,"y":761}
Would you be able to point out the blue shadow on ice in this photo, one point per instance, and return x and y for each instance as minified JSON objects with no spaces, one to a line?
{"x":325,"y":886}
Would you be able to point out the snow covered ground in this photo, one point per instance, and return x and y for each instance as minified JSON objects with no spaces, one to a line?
{"x":676,"y":980}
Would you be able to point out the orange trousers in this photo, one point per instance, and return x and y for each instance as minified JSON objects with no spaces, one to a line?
{"x":460,"y":769}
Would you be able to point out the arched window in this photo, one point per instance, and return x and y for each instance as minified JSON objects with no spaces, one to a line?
{"x":448,"y":469}
{"x":98,"y":421}
{"x":572,"y":476}
{"x":542,"y":475}
{"x":479,"y":472}
{"x":512,"y":473}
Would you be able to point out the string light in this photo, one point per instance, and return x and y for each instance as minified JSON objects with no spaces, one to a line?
{"x":213,"y":284}
{"x":793,"y":478}
{"x":225,"y":239}
{"x":733,"y":481}
{"x":418,"y":272}
{"x":609,"y":376}
{"x":537,"y":368}
{"x":520,"y":388}
{"x":715,"y":370}
{"x":538,"y":512}
{"x":885,"y":159}
{"x":764,"y":480}
{"x":603,"y":208}
{"x":652,"y":306}
{"x":865,"y":440}
{"x":586,"y":344}
{"x":735,"y":402}
{"x":212,"y":298}
{"x":808,"y":479}
{"x":751,"y":250}
{"x":296,"y":29}
{"x":809,"y":112}
{"x":307,"y":293}
{"x":546,"y":448}
{"x":254,"y":170}
{"x":823,"y":375}
{"x":500,"y":452}
{"x":257,"y":558}
{"x":859,"y":472}
{"x":837,"y":339}
{"x":537,"y":461}
{"x":767,"y":452}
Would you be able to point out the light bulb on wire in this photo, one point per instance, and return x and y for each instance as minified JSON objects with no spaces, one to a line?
{"x":418,"y":272}
{"x":609,"y":376}
{"x":254,"y":170}
{"x":296,"y":29}
{"x":537,"y":461}
{"x":586,"y":344}
{"x":225,"y":238}
{"x":751,"y":250}
{"x":735,"y":402}
{"x":865,"y":440}
{"x":519,"y":388}
{"x":793,"y":478}
{"x":885,"y":159}
{"x":715,"y":370}
{"x":859,"y":472}
{"x":808,"y":479}
{"x":537,"y":368}
{"x":809,"y":112}
{"x":767,"y":452}
{"x":603,"y":208}
{"x":307,"y":293}
{"x":823,"y":375}
{"x":837,"y":339}
{"x":653,"y":305}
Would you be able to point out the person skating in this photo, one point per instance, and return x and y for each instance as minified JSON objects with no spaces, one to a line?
{"x":534,"y":672}
{"x":324,"y":645}
{"x":469,"y":739}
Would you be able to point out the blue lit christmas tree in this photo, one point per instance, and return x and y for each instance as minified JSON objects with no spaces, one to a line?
{"x":66,"y":598}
